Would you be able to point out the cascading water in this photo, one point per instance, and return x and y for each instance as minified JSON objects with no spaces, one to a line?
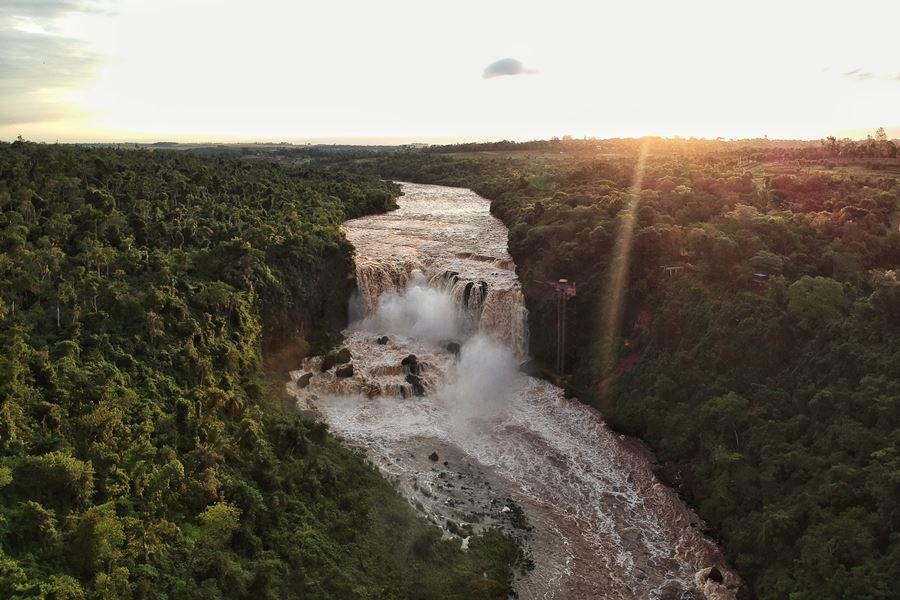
{"x":436,"y":282}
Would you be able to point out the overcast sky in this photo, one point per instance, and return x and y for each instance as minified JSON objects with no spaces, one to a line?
{"x":387,"y":71}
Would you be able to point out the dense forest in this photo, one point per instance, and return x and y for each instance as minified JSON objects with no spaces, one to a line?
{"x":759,"y":351}
{"x":144,"y":451}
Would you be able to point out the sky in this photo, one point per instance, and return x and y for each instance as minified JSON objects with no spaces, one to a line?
{"x":399,"y":71}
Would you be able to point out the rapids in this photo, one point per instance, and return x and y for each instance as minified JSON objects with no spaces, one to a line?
{"x":435,"y":271}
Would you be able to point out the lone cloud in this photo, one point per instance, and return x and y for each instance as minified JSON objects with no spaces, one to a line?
{"x":859,"y":74}
{"x":506,"y":66}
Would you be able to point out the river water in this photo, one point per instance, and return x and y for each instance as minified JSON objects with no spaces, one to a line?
{"x":486,"y":440}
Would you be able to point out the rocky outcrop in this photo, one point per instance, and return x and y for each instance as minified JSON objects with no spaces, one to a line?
{"x":411,"y":365}
{"x":344,"y":371}
{"x":417,"y":384}
{"x":709,"y":574}
{"x":303,"y":380}
{"x":413,"y":371}
{"x":342,"y":357}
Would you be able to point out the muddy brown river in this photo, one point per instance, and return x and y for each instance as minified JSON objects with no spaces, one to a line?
{"x":437,"y":271}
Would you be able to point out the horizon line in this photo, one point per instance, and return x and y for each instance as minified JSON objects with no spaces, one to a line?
{"x":388,"y":141}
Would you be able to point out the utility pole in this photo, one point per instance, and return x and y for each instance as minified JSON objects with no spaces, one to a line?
{"x":564,"y":291}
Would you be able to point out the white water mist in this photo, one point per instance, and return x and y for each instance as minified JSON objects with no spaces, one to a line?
{"x":419,"y":312}
{"x":484,"y":379}
{"x":484,"y":382}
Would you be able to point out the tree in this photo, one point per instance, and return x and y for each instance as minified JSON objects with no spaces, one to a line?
{"x":218,"y":522}
{"x":96,"y":543}
{"x":815,"y":301}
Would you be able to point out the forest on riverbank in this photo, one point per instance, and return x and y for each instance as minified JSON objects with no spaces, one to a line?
{"x":759,"y":352}
{"x":144,"y":451}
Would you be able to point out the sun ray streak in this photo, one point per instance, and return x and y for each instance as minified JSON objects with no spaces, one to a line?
{"x":618,"y":272}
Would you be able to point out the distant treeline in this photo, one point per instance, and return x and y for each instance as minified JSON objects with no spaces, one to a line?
{"x":877,"y":146}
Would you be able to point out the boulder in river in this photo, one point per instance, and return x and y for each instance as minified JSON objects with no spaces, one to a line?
{"x":303,"y":380}
{"x":433,"y":457}
{"x":709,"y":574}
{"x":383,"y":340}
{"x":411,"y":365}
{"x":453,"y":348}
{"x":345,"y":371}
{"x":417,"y":384}
{"x":340,"y":357}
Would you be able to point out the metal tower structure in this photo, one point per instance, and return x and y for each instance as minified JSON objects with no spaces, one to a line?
{"x":564,"y":290}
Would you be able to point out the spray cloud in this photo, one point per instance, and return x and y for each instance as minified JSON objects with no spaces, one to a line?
{"x":419,"y":312}
{"x":484,"y":382}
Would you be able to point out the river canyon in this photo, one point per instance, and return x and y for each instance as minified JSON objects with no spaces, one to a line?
{"x":436,"y":400}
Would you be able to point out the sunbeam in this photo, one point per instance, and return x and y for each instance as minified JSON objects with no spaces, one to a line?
{"x":618,"y":272}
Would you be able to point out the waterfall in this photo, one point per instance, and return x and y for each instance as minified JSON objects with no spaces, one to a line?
{"x":375,"y":278}
{"x":505,"y":318}
{"x":497,"y":313}
{"x":431,"y":390}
